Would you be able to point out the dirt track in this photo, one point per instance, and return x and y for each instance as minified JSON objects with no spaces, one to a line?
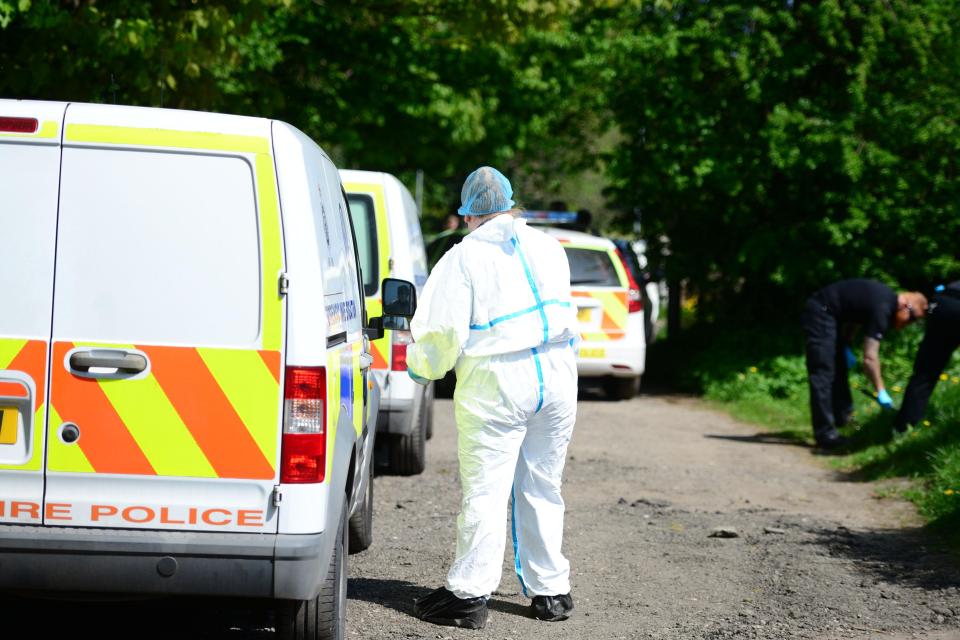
{"x":818,"y":556}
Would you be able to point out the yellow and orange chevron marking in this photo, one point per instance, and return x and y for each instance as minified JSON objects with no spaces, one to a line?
{"x":29,"y":357}
{"x":613,"y":325}
{"x":199,"y":413}
{"x":380,"y":349}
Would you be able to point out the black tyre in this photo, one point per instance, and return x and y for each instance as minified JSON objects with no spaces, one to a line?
{"x":324,"y":617}
{"x":622,"y":388}
{"x":361,"y":522}
{"x":408,"y":454}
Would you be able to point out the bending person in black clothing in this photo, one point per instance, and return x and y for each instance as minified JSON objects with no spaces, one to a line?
{"x":849,"y":303}
{"x":941,"y":337}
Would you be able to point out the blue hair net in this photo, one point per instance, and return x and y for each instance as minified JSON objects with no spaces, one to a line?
{"x":486,"y":190}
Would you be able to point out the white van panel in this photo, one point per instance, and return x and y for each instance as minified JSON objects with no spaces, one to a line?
{"x":159,"y":248}
{"x":299,"y":179}
{"x":29,"y":177}
{"x":344,"y":313}
{"x":28,"y":215}
{"x":21,"y":499}
{"x":407,"y":244}
{"x":304,"y":508}
{"x":418,"y":252}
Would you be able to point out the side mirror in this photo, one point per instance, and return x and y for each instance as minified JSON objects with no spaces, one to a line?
{"x":399,"y":298}
{"x":399,"y":305}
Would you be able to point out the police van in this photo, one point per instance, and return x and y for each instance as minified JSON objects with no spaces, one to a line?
{"x":185,"y":400}
{"x":391,"y":244}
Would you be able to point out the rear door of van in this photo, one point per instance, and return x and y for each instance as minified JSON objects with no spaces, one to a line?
{"x":29,"y":176}
{"x":167,"y":324}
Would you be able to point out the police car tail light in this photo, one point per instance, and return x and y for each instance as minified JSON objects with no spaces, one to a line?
{"x":18,"y":125}
{"x":304,"y":447}
{"x":634,"y":297}
{"x":401,"y":339}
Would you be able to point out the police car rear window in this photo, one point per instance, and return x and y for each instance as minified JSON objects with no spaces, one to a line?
{"x":365,"y":226}
{"x":591,"y":267}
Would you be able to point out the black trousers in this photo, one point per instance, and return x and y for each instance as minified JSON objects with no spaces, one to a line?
{"x":830,"y":399}
{"x":940,"y":339}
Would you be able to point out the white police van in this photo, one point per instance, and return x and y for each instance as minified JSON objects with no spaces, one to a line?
{"x":391,"y":244}
{"x":185,"y":406}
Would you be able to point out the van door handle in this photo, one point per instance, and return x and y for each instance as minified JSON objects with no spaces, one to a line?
{"x":365,"y":360}
{"x":119,"y":361}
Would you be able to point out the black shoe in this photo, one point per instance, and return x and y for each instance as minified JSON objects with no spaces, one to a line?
{"x":443,"y":608}
{"x":832,"y":441}
{"x":552,"y":608}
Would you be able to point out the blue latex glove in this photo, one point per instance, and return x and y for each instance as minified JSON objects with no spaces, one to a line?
{"x":884,"y":399}
{"x":850,"y":356}
{"x":416,"y":378}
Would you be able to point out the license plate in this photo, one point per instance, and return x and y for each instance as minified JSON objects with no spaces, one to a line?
{"x":9,"y":419}
{"x":593,"y":352}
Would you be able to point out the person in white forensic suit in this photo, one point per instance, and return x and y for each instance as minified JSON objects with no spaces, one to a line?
{"x":498,"y":308}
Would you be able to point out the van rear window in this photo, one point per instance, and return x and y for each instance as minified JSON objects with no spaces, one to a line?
{"x":365,"y":226}
{"x":591,"y":267}
{"x":157,"y":248}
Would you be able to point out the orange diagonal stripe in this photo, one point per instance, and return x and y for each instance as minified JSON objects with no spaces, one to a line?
{"x":32,"y":360}
{"x":272,"y":360}
{"x":608,"y":322}
{"x":104,"y":438}
{"x":13,"y":390}
{"x":208,"y":414}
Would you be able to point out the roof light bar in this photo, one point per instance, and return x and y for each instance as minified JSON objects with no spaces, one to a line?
{"x":555,"y":217}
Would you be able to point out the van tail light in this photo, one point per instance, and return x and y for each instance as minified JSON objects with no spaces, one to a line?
{"x":634,"y":297}
{"x":303,"y":457}
{"x":10,"y":124}
{"x":401,"y":339}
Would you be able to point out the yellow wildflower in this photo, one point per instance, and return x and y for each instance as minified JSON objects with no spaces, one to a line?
{"x":753,"y":369}
{"x":949,"y":492}
{"x":954,"y":379}
{"x":926,"y":423}
{"x":896,"y":388}
{"x":944,"y":377}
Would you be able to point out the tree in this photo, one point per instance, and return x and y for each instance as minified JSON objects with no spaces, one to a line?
{"x":781,"y":145}
{"x":441,"y":86}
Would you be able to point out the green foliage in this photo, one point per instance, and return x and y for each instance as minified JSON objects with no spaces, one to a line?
{"x":181,"y":54}
{"x":434,"y":85}
{"x":780,"y":146}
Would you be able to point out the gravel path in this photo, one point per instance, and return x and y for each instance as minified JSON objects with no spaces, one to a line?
{"x":816,"y":554}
